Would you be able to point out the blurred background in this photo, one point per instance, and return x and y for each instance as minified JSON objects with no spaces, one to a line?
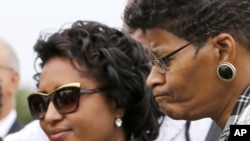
{"x":23,"y":21}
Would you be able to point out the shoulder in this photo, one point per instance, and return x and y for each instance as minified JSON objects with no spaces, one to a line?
{"x":28,"y":133}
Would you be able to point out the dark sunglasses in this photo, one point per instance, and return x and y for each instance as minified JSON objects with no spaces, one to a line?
{"x":65,"y":99}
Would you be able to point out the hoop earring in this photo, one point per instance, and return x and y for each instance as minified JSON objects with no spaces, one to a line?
{"x":226,"y":72}
{"x":118,"y":122}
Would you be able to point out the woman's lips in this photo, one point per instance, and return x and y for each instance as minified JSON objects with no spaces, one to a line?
{"x":159,"y":98}
{"x":59,"y":134}
{"x":163,"y":97}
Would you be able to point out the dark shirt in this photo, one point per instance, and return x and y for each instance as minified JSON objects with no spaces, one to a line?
{"x":17,"y":125}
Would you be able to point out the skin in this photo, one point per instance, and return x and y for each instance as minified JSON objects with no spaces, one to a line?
{"x":9,"y":79}
{"x":190,"y":88}
{"x":96,"y":113}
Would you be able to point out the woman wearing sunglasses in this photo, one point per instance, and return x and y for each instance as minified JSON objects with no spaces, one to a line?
{"x":92,"y":86}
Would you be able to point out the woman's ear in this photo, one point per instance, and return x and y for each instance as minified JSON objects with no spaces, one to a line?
{"x":225,"y":45}
{"x":119,"y":112}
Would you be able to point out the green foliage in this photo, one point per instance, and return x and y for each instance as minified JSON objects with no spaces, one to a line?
{"x":22,"y":108}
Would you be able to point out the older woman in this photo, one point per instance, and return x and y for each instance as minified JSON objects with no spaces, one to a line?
{"x":201,"y":51}
{"x":92,"y":86}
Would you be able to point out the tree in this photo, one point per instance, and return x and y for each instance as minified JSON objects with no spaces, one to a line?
{"x":22,"y":107}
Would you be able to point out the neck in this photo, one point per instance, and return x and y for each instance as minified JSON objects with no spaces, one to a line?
{"x":230,"y":100}
{"x":119,"y":134}
{"x":4,"y":111}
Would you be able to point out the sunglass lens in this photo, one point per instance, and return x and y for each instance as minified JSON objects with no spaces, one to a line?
{"x":66,"y":100}
{"x":37,"y":106}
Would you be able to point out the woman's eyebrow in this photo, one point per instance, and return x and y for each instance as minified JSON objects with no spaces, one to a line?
{"x":159,"y":51}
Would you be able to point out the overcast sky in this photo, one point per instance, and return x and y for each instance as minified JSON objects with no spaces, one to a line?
{"x":22,"y":21}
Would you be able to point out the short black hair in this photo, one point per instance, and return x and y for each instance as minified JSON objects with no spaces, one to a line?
{"x":189,"y":19}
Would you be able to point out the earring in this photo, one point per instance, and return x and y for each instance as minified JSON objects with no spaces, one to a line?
{"x":118,"y":122}
{"x":226,"y":71}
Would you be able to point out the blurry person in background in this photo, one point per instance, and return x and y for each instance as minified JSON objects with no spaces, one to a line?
{"x":9,"y":83}
{"x":178,"y":130}
{"x":136,"y":34}
{"x":11,"y":129}
{"x":92,"y":86}
{"x":201,"y":52}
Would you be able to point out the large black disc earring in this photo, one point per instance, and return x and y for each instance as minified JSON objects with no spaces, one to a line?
{"x":226,"y":71}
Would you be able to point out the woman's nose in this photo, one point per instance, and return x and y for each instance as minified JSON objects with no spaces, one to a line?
{"x":155,"y":78}
{"x":52,"y":115}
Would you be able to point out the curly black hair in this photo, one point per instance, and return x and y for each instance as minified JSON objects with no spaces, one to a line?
{"x":189,"y":19}
{"x":116,"y":61}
